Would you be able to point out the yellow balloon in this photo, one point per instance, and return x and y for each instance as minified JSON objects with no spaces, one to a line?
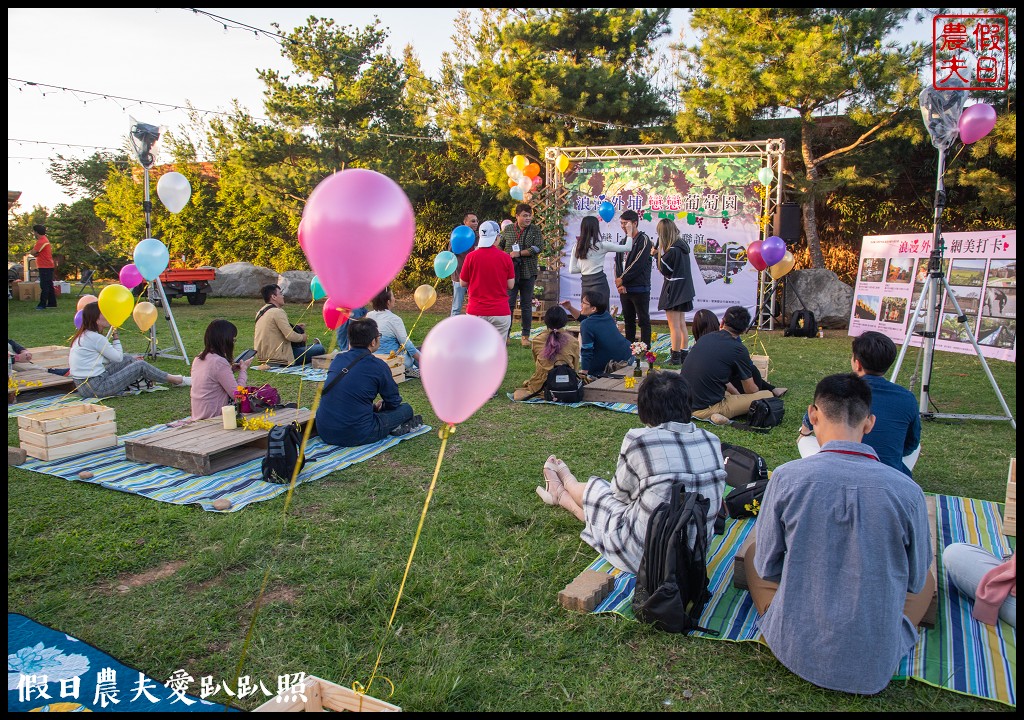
{"x":783,"y":266}
{"x":520,"y":161}
{"x":425,"y":296}
{"x":116,"y":302}
{"x":145,"y":314}
{"x":562,"y":163}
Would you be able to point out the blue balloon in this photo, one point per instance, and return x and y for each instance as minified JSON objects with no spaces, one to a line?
{"x":463,"y":238}
{"x":516,"y":193}
{"x":445,"y":264}
{"x":151,"y":258}
{"x":606,"y":210}
{"x":773,"y":249}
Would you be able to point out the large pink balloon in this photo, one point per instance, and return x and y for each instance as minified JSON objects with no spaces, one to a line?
{"x":130,"y":276}
{"x":976,"y":122}
{"x":462,"y":364}
{"x":754,"y":256}
{"x":773,"y":249}
{"x":357,"y":232}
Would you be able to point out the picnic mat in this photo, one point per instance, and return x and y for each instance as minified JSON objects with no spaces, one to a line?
{"x":306,"y":372}
{"x":958,"y":654}
{"x":55,"y":401}
{"x":49,"y":671}
{"x":617,"y":407}
{"x":241,"y":484}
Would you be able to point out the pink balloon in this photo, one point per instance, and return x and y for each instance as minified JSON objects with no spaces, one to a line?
{"x":976,"y":122}
{"x":334,"y":314}
{"x":537,"y":182}
{"x":462,"y":364}
{"x":357,"y":232}
{"x":754,"y":256}
{"x":85,"y":300}
{"x":505,"y":223}
{"x":130,"y":276}
{"x":78,"y":319}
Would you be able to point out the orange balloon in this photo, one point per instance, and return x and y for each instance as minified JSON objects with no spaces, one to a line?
{"x":512,"y":182}
{"x":85,"y":300}
{"x":532,"y":170}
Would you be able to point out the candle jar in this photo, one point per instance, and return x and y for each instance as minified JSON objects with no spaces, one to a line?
{"x":229,"y":417}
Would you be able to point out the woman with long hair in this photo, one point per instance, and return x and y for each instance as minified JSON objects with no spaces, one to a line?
{"x":213,"y":371}
{"x":704,"y":322}
{"x":100,"y":368}
{"x":677,"y":293}
{"x":554,"y":346}
{"x":588,"y":256}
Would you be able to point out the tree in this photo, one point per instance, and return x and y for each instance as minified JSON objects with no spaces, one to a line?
{"x":752,"y":64}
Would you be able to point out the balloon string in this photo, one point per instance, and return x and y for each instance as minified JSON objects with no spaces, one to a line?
{"x":402,"y":349}
{"x":444,"y":434}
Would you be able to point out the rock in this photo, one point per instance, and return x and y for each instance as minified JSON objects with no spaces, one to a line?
{"x":295,"y":285}
{"x":123,"y":588}
{"x":823,"y":293}
{"x":241,"y":279}
{"x":15,"y":455}
{"x":85,"y":475}
{"x":221,"y":504}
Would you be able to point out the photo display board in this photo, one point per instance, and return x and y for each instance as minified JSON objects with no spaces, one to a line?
{"x":981,"y":269}
{"x":716,"y":202}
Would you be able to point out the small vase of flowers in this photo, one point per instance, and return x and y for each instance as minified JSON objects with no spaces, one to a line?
{"x":639,"y":350}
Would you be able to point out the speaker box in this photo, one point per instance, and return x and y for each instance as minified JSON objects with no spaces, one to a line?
{"x":787,"y":222}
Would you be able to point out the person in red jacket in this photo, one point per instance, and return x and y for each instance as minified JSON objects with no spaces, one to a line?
{"x":44,"y":264}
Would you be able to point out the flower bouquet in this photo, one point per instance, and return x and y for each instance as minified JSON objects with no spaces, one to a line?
{"x":639,"y":349}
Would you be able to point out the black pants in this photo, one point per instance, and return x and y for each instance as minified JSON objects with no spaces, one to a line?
{"x":47,"y":296}
{"x":523,"y":290}
{"x":637,"y":307}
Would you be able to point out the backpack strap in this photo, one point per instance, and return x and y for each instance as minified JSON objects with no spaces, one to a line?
{"x":263,"y":311}
{"x":344,"y":371}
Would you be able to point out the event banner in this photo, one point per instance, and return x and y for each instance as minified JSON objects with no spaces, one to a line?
{"x":981,"y":269}
{"x":716,"y":202}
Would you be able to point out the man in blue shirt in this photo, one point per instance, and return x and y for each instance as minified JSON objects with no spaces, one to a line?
{"x":603,"y":349}
{"x":896,"y":436}
{"x":350,"y":413}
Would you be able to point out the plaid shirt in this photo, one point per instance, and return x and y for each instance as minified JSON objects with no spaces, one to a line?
{"x":651,"y":461}
{"x":528,"y":239}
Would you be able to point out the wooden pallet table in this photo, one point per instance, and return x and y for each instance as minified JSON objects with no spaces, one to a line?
{"x":395,"y":362}
{"x":612,"y":389}
{"x":67,"y":431}
{"x":34,"y":384}
{"x":205,"y":447}
{"x":50,"y":356}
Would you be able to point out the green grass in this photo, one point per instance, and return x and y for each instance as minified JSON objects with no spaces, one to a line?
{"x":479,"y":626}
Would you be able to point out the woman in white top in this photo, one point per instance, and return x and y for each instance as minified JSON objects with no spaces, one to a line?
{"x":588,"y":256}
{"x":100,"y":368}
{"x":393,"y":337}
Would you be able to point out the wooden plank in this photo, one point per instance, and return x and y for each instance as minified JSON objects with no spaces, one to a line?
{"x":64,"y":451}
{"x":39,"y":383}
{"x":928,"y":620}
{"x":66,"y":437}
{"x":612,"y":389}
{"x":1010,"y":510}
{"x":324,"y":695}
{"x":761,"y":363}
{"x":50,"y":356}
{"x":66,"y":418}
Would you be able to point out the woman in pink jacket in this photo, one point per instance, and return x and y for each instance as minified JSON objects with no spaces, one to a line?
{"x":213,"y":372}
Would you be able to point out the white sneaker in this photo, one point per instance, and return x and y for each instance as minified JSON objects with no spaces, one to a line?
{"x":186,"y":381}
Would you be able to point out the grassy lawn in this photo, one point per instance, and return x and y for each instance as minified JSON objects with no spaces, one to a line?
{"x":479,"y":626}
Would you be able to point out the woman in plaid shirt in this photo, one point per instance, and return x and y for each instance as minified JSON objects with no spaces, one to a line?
{"x":671,"y":449}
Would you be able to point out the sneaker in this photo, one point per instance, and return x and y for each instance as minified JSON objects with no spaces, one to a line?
{"x":719,"y":419}
{"x":40,"y":307}
{"x":186,"y":381}
{"x":408,"y":426}
{"x":412,"y":372}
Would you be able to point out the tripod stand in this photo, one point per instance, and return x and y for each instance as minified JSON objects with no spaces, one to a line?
{"x":935,"y":289}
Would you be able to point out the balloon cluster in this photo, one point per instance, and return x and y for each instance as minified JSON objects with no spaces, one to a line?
{"x":523,"y":178}
{"x":771,"y":253}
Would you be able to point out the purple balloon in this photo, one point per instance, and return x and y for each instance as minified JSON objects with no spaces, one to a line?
{"x":773,"y":249}
{"x":78,"y":320}
{"x":130,"y":276}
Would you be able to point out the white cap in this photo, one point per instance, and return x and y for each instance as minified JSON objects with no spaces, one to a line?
{"x":488,"y":233}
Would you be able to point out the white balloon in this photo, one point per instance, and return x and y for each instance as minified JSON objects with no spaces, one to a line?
{"x":525,"y":184}
{"x":174,"y":191}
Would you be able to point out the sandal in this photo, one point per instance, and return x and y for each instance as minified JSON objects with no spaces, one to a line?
{"x":552,"y":491}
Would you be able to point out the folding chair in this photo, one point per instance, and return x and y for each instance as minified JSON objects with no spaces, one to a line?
{"x":86,"y":282}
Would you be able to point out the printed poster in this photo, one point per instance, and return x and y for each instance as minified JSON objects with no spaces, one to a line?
{"x":981,"y":269}
{"x":716,"y":202}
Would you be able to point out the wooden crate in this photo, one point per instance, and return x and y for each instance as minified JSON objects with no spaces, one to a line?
{"x":396,"y":363}
{"x":761,"y":363}
{"x":67,"y":431}
{"x":323,"y":695}
{"x":50,"y":356}
{"x":517,"y":314}
{"x":1010,"y":511}
{"x":205,"y":447}
{"x":612,"y":389}
{"x":34,"y":384}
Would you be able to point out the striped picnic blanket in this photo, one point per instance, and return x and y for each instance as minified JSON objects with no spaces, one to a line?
{"x":617,"y":407}
{"x":306,"y":372}
{"x":52,"y":402}
{"x":958,"y":654}
{"x":242,"y":484}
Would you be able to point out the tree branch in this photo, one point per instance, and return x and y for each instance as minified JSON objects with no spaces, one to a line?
{"x":859,"y":141}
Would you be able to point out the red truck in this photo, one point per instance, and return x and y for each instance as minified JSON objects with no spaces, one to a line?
{"x":193,"y":283}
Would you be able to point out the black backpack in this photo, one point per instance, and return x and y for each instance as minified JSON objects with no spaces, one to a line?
{"x":563,"y":385}
{"x":672,"y":582}
{"x":802,"y":324}
{"x":763,"y":415}
{"x":748,"y":476}
{"x":283,"y":444}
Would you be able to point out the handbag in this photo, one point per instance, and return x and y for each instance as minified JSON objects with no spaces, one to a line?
{"x":763,"y":415}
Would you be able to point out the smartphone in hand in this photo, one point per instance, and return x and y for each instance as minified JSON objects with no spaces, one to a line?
{"x":245,"y":356}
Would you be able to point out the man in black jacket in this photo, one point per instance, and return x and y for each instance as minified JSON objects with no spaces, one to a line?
{"x":633,"y":279}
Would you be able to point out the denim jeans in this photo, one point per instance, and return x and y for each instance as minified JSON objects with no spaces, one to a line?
{"x":458,"y":298}
{"x":388,"y":420}
{"x":342,"y":331}
{"x":305,"y":355}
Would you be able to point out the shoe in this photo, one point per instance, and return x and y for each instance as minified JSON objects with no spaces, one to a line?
{"x":553,"y":488}
{"x":412,"y":372}
{"x":674,"y":358}
{"x":408,"y":426}
{"x":779,"y":391}
{"x":186,"y":381}
{"x":316,"y":341}
{"x":682,"y":356}
{"x":40,"y":307}
{"x":526,"y":342}
{"x":719,"y":419}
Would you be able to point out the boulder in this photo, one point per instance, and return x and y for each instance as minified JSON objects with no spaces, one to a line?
{"x":823,"y":293}
{"x":295,"y":285}
{"x":241,"y":279}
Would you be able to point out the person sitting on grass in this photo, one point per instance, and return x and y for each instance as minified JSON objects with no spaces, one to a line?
{"x":704,"y":322}
{"x":350,"y":413}
{"x":896,"y":435}
{"x":393,"y":336}
{"x":669,"y":450}
{"x":213,"y":371}
{"x":100,"y":368}
{"x":986,"y":579}
{"x":552,"y":347}
{"x":839,"y":571}
{"x":603,"y":349}
{"x":717,"y":360}
{"x":277,"y":341}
